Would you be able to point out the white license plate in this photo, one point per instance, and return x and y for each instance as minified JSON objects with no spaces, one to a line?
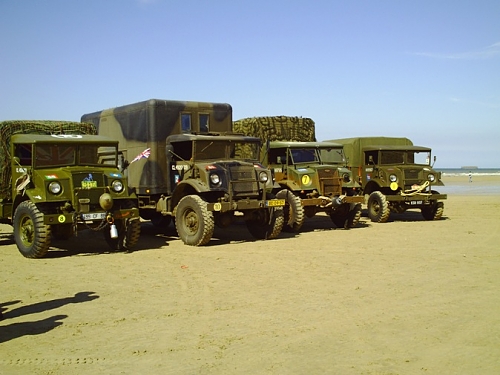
{"x":94,"y":216}
{"x":415,"y":202}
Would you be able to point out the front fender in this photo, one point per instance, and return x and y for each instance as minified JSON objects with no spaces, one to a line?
{"x":371,"y":186}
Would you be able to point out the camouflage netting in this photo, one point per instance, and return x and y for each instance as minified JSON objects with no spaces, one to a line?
{"x":9,"y":128}
{"x":277,"y":128}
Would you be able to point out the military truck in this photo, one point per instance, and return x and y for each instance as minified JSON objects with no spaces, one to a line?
{"x":193,"y":170}
{"x":51,"y":183}
{"x":311,"y":176}
{"x":395,"y":176}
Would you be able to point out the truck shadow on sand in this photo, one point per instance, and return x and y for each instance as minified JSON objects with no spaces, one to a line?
{"x":37,"y":327}
{"x":88,"y":242}
{"x":407,"y":216}
{"x":238,"y":233}
{"x":7,"y":239}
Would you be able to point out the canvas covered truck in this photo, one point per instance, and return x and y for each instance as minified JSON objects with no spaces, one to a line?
{"x":52,"y":183}
{"x":311,"y":176}
{"x":193,"y":170}
{"x":395,"y":176}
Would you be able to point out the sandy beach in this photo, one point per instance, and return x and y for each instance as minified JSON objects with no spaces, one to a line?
{"x":404,"y":297}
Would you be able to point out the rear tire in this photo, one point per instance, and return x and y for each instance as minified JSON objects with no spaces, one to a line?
{"x":31,"y":234}
{"x":353,"y":216}
{"x":378,"y":208}
{"x":293,"y":211}
{"x":194,"y":223}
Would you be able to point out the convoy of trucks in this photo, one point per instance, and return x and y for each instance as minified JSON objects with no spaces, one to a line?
{"x":188,"y":162}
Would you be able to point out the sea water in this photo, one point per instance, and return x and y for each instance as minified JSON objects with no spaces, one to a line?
{"x":491,"y":187}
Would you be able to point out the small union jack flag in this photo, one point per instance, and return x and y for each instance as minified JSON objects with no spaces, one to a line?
{"x":144,"y":154}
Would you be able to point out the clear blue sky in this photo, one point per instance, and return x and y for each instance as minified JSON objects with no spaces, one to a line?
{"x":427,"y":70}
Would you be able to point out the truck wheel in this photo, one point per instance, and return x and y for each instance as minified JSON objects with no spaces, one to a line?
{"x":129,"y":232}
{"x":266,"y":223}
{"x":293,"y":211}
{"x":433,"y":212}
{"x":194,"y":223}
{"x":31,"y":234}
{"x":348,"y":217}
{"x":378,"y":208}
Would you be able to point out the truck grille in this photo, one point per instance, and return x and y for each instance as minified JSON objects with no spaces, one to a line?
{"x":329,"y":182}
{"x":243,"y":180}
{"x":411,"y":175}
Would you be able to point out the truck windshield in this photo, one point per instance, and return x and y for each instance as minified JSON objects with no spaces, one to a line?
{"x":304,"y":155}
{"x":227,"y":149}
{"x":405,"y":157}
{"x":332,"y":156}
{"x":419,"y":157}
{"x":392,"y":157}
{"x":57,"y":155}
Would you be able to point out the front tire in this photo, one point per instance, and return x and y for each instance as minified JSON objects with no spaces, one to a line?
{"x":194,"y":223}
{"x":129,"y":232}
{"x":433,"y":212}
{"x":347,"y":217}
{"x":31,"y":234}
{"x":378,"y":208}
{"x":293,"y":211}
{"x":266,"y":223}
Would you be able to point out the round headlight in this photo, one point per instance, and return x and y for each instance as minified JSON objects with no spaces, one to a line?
{"x":117,"y":186}
{"x":431,"y":177}
{"x":263,"y":177}
{"x":346,"y":177}
{"x":393,"y":178}
{"x":55,"y":187}
{"x":215,"y":179}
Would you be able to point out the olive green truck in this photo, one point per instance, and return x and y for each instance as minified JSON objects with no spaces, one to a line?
{"x":311,"y":176}
{"x":52,"y":182}
{"x":183,"y":162}
{"x":395,"y":176}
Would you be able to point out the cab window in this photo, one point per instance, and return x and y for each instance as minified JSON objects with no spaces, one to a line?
{"x":23,"y":152}
{"x":204,"y":125}
{"x":186,"y":122}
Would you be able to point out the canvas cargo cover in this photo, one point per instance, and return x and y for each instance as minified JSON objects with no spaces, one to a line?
{"x":353,"y":147}
{"x":47,"y":127}
{"x":277,"y":128}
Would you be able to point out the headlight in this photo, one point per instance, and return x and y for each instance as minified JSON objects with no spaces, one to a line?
{"x":55,"y":187}
{"x":263,"y":177}
{"x":215,"y":179}
{"x":117,"y":186}
{"x":346,"y":177}
{"x":393,"y":178}
{"x":431,"y":177}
